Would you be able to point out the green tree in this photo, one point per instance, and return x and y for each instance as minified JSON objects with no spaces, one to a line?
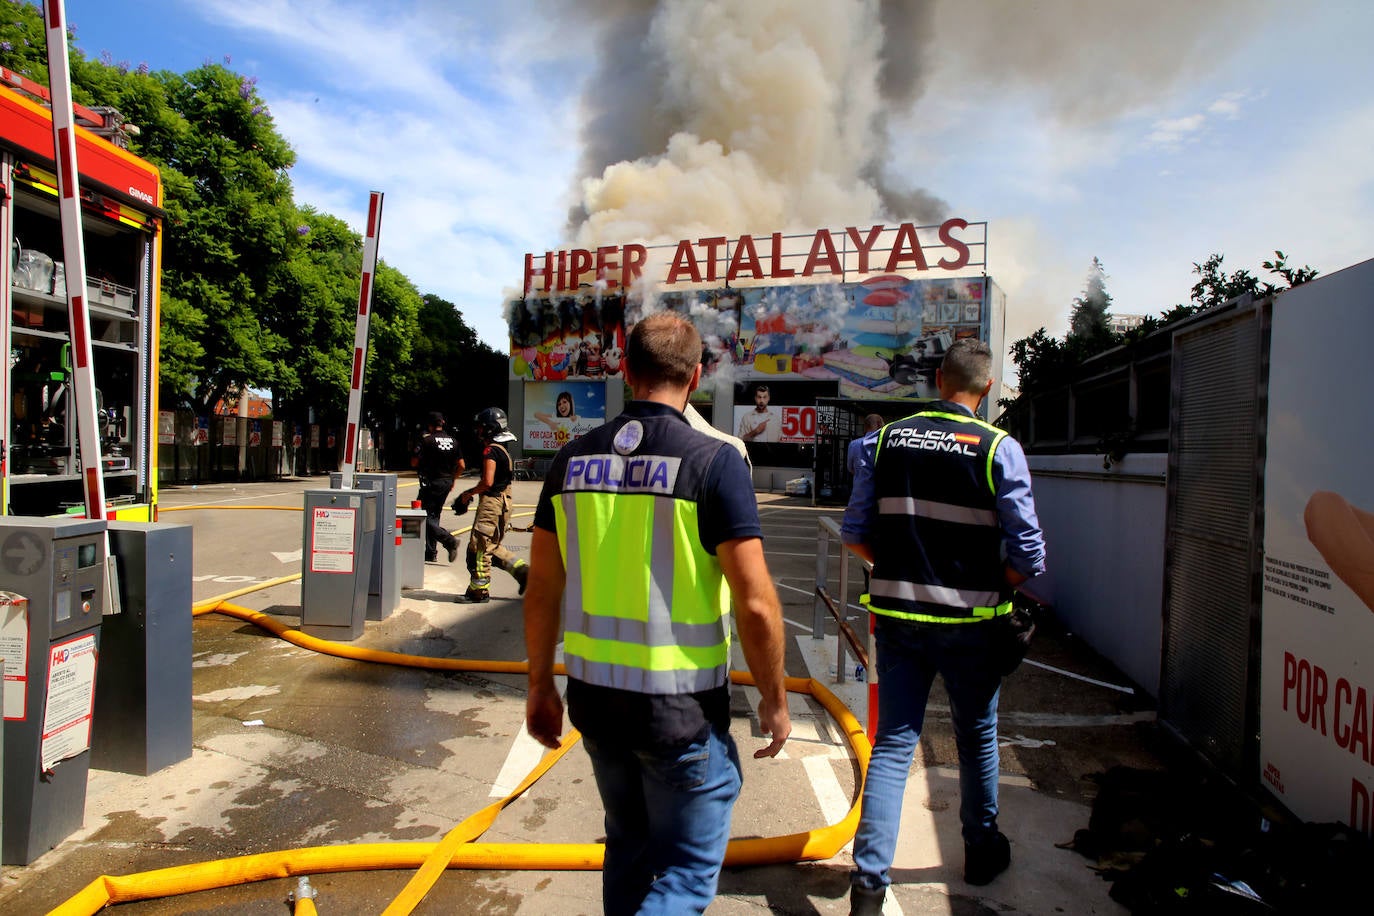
{"x":452,"y":369}
{"x":238,"y":226}
{"x":256,"y":292}
{"x":1088,"y":318}
{"x":1044,"y":362}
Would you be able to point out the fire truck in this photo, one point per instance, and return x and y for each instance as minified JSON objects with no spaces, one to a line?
{"x":121,"y":197}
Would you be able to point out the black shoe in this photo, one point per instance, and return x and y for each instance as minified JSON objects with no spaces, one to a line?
{"x":452,"y":552}
{"x":865,"y":901}
{"x":986,"y":860}
{"x":477,"y":595}
{"x":431,"y":558}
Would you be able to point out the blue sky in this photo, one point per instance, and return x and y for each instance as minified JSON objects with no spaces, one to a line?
{"x":1147,"y":135}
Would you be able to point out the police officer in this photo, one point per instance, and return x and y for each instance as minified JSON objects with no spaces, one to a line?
{"x":493,"y":492}
{"x":943,"y":510}
{"x":644,"y":531}
{"x":437,"y":460}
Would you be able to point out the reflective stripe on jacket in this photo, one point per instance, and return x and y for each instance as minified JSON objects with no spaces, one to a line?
{"x":645,"y":604}
{"x":937,"y":539}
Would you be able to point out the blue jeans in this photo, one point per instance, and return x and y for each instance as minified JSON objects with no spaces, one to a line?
{"x":667,"y":822}
{"x":909,"y":657}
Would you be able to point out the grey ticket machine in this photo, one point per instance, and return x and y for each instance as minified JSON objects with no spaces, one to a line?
{"x":384,"y":582}
{"x":52,"y":578}
{"x":143,"y":695}
{"x":411,"y":563}
{"x":336,"y":562}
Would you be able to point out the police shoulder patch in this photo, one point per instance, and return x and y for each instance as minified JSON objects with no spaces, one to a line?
{"x":628,"y":438}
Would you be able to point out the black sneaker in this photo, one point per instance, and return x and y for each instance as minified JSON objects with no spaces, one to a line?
{"x":431,"y":558}
{"x":452,"y":552}
{"x":986,"y":860}
{"x":864,"y":901}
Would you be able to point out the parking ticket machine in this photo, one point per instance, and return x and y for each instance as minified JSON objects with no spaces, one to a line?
{"x":52,"y":583}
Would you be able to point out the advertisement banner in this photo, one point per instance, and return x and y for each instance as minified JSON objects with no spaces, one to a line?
{"x":778,"y":412}
{"x":1316,"y":678}
{"x":557,"y":413}
{"x":552,"y":341}
{"x":882,"y":338}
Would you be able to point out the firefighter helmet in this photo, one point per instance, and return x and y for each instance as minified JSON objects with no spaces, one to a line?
{"x":491,"y":424}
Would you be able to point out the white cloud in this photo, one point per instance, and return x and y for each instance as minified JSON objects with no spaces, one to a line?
{"x":1173,"y":131}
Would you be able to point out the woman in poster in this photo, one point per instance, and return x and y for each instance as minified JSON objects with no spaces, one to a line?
{"x":563,"y":420}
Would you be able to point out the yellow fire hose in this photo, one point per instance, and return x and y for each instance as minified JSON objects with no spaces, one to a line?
{"x":457,"y":849}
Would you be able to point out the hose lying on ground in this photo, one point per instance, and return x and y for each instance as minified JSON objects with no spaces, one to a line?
{"x":457,"y":849}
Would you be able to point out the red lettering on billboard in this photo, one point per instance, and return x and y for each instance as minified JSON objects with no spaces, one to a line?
{"x":684,"y":261}
{"x":745,"y":258}
{"x":949,"y":240}
{"x":711,"y":246}
{"x":605,"y":263}
{"x":828,"y":257}
{"x":865,"y":244}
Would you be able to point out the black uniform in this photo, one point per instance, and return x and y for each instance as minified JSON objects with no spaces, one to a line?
{"x":438,"y":455}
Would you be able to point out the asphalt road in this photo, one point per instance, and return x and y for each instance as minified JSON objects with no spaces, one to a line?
{"x":297,"y":749}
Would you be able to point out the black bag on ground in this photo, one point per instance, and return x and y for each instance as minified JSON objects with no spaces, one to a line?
{"x":1014,"y":634}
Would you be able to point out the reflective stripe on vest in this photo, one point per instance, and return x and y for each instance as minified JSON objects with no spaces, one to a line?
{"x":644,"y":603}
{"x":945,"y":512}
{"x":947,"y":603}
{"x":949,"y":597}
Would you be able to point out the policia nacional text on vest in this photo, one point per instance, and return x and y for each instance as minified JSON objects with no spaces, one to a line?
{"x":937,"y":541}
{"x":629,"y":491}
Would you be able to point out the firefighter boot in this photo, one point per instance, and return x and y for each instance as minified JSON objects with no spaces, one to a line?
{"x":478,"y":591}
{"x":521,"y":572}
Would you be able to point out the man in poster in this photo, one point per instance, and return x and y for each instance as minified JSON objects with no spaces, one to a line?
{"x":762,"y":424}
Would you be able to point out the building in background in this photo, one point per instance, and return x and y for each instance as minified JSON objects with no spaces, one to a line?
{"x":857,"y":315}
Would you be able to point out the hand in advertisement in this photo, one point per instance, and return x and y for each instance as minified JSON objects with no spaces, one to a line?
{"x":1344,"y":536}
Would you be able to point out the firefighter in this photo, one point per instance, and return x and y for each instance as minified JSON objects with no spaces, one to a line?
{"x":493,"y":492}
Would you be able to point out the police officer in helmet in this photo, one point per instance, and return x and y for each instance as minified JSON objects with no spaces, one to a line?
{"x":493,"y":493}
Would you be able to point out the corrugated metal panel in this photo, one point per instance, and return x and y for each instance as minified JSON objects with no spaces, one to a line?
{"x":1209,"y":626}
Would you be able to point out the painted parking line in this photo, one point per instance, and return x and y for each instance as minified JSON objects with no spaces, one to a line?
{"x":525,"y":753}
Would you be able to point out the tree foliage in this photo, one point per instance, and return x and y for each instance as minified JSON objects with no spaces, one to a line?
{"x":256,"y":291}
{"x":1044,"y":361}
{"x":1089,"y":317}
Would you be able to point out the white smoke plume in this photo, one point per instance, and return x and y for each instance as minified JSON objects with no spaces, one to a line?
{"x":723,"y":117}
{"x":735,"y":116}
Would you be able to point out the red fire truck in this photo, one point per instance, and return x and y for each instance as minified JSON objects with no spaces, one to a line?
{"x":121,"y":196}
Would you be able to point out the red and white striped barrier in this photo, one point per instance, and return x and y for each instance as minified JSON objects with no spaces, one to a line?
{"x":355,"y":391}
{"x":74,"y":256}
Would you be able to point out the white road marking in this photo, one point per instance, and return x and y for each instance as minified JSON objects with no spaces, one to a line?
{"x":289,"y":556}
{"x":525,"y":752}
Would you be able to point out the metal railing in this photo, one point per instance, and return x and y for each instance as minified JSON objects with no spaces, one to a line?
{"x":861,"y":648}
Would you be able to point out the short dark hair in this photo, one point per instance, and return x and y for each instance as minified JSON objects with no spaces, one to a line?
{"x":663,"y":347}
{"x":435,"y":418}
{"x":967,"y":365}
{"x":761,"y":387}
